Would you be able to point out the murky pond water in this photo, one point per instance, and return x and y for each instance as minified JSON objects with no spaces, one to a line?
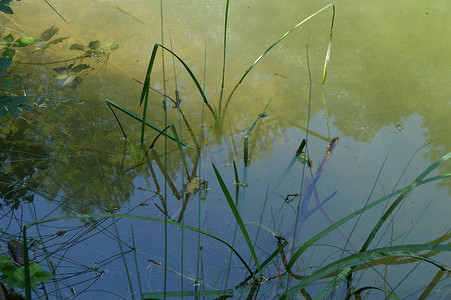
{"x":386,"y":97}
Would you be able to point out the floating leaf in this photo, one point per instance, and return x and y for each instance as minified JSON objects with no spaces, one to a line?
{"x":5,"y":62}
{"x":80,"y":67}
{"x":23,"y":42}
{"x":94,"y":45}
{"x":49,"y":33}
{"x":3,"y":73}
{"x":77,"y":47}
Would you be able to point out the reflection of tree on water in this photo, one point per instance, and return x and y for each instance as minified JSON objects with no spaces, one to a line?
{"x":17,"y":173}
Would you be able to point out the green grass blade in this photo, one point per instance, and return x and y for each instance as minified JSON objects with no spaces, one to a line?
{"x":154,"y":127}
{"x":237,"y":216}
{"x":310,"y":242}
{"x":224,"y":58}
{"x":401,"y":197}
{"x":146,"y":87}
{"x":362,"y":257}
{"x":266,"y":51}
{"x":145,"y":90}
{"x":326,"y":62}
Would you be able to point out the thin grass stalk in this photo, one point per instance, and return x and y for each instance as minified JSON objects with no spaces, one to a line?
{"x":152,"y":145}
{"x":136,"y":260}
{"x":326,"y":62}
{"x":224,"y":58}
{"x":26,"y":260}
{"x":237,"y":216}
{"x":265,"y":52}
{"x":181,"y":294}
{"x":130,"y":284}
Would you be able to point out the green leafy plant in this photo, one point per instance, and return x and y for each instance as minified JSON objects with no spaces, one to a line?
{"x":15,"y":276}
{"x":71,"y":75}
{"x":9,"y":102}
{"x":4,"y":6}
{"x":7,"y":44}
{"x":47,"y":38}
{"x":94,"y":49}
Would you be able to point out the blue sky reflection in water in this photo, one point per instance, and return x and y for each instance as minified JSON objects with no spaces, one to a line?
{"x":386,"y":95}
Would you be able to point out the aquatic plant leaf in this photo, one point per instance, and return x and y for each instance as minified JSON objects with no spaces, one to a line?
{"x":5,"y":8}
{"x":5,"y":62}
{"x":9,"y":53}
{"x":3,"y":111}
{"x":111,"y":47}
{"x":49,"y":33}
{"x":77,"y":47}
{"x":9,"y":38}
{"x":80,"y":67}
{"x":24,"y":41}
{"x":14,"y":111}
{"x":94,"y":45}
{"x":3,"y":73}
{"x":38,"y":274}
{"x":19,"y":100}
{"x":4,"y":261}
